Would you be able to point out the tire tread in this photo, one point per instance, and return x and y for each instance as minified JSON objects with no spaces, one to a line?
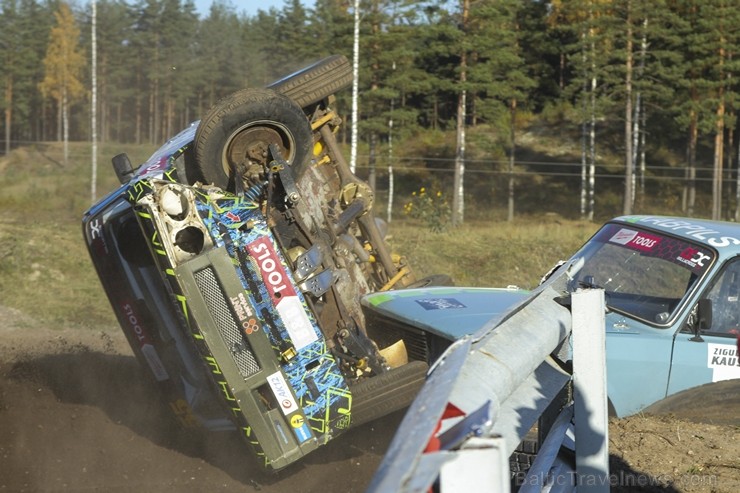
{"x":316,"y":82}
{"x":383,"y":394}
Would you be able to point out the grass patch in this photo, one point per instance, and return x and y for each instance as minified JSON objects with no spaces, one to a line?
{"x":491,"y":253}
{"x":45,"y":270}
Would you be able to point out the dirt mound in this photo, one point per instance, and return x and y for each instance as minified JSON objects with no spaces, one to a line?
{"x":77,"y":415}
{"x":666,"y":453}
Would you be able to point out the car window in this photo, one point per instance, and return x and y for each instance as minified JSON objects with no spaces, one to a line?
{"x":628,"y":271}
{"x":643,"y":273}
{"x":724,"y":294}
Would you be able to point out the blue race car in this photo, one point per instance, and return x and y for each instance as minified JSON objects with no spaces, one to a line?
{"x":672,"y":290}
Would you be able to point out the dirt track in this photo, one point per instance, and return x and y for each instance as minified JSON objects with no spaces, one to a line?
{"x":75,"y":417}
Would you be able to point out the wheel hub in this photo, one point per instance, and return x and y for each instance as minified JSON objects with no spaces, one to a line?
{"x":251,"y":146}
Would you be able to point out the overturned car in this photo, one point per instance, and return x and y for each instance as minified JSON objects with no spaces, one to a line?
{"x":235,"y":259}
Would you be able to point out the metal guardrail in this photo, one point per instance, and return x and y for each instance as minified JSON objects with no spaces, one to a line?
{"x":487,"y":392}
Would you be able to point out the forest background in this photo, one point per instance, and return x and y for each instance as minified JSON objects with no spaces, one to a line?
{"x":581,"y":108}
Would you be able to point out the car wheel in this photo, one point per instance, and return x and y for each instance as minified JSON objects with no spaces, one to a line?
{"x":316,"y":82}
{"x":709,"y":403}
{"x":234,"y":136}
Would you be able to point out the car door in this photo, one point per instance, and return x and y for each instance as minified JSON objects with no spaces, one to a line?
{"x":713,"y":356}
{"x":638,"y":363}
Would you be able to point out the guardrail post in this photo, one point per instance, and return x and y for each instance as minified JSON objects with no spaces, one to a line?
{"x":480,"y":465}
{"x":590,"y":400}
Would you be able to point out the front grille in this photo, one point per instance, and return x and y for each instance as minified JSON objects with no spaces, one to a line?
{"x":386,"y":331}
{"x":227,"y":325}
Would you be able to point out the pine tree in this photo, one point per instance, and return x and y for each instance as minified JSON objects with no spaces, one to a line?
{"x":114,"y":23}
{"x":24,"y":30}
{"x":499,"y":78}
{"x":218,"y":45}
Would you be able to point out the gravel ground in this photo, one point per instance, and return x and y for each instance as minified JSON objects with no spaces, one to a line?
{"x":77,"y":416}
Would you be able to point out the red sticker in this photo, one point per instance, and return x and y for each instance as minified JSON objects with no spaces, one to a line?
{"x":273,"y":273}
{"x":644,"y":242}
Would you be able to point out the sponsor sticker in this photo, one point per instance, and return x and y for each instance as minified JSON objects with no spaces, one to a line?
{"x":283,"y":295}
{"x":296,"y":322}
{"x":637,"y":240}
{"x":244,"y":313}
{"x":155,"y":169}
{"x":134,"y":323}
{"x":645,"y":242}
{"x":440,"y":303}
{"x":711,"y":236}
{"x":723,"y":360}
{"x":694,"y":258}
{"x":145,"y":344}
{"x":300,"y":428}
{"x":623,"y":236}
{"x":282,"y":393}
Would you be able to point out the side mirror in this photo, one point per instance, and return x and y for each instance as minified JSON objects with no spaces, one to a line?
{"x":123,"y":168}
{"x":703,"y":319}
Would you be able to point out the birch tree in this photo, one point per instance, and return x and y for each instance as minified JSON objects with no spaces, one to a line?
{"x":458,"y":187}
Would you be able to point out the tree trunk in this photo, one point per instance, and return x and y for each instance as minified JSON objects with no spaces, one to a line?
{"x":584,"y":131}
{"x":139,"y":116}
{"x":592,"y":134}
{"x":718,"y":158}
{"x":65,"y":124}
{"x":737,"y":185}
{"x":59,"y":120}
{"x":512,"y":160}
{"x":458,"y":202}
{"x":389,"y":213}
{"x":629,"y":168}
{"x":371,"y":161}
{"x":8,"y":112}
{"x":458,"y":199}
{"x":691,"y":165}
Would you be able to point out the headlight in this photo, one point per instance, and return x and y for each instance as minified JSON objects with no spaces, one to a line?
{"x":174,"y":203}
{"x":182,"y":233}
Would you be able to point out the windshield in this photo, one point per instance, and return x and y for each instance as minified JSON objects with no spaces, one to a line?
{"x":644,"y":274}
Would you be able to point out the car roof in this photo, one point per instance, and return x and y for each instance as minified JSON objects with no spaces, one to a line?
{"x":719,"y":235}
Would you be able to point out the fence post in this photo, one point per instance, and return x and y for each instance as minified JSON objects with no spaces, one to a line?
{"x":590,"y":399}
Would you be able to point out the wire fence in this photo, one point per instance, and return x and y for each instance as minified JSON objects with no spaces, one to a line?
{"x":539,"y":186}
{"x":552,"y":187}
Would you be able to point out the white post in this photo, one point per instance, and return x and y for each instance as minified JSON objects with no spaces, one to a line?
{"x":355,"y":89}
{"x":590,"y":399}
{"x":94,"y":105}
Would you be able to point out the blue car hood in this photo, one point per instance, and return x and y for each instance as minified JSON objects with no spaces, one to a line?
{"x":448,"y":312}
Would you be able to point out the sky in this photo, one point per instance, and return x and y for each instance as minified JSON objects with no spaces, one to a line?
{"x":250,"y":7}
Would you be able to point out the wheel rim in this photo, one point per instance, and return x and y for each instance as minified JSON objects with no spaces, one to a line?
{"x":249,"y":144}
